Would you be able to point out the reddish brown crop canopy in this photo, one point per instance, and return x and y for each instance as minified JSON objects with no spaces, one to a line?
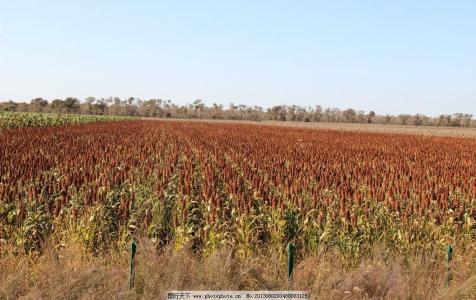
{"x":406,"y":173}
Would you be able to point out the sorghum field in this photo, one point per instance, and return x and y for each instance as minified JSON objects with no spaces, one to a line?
{"x":214,"y":205}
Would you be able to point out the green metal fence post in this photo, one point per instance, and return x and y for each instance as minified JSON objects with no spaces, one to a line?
{"x":133,"y":257}
{"x":291,"y":248}
{"x":449,"y":258}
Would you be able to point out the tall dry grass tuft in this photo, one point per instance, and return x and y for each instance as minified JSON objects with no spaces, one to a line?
{"x":72,"y":272}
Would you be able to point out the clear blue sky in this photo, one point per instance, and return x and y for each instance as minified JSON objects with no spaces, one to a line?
{"x":388,"y":56}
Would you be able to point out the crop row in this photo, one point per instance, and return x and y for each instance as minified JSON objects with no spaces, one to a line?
{"x":21,"y":119}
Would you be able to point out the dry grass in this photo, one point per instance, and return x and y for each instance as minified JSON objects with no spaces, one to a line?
{"x":400,"y":129}
{"x":396,"y":129}
{"x":72,"y":273}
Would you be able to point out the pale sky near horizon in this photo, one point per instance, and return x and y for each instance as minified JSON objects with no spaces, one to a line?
{"x":387,"y":56}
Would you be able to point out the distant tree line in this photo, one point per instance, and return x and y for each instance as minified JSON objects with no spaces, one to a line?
{"x":159,"y":108}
